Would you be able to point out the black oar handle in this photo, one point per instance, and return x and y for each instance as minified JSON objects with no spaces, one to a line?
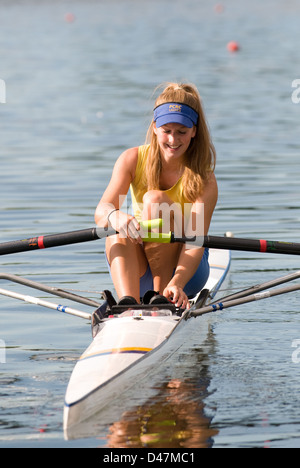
{"x":54,"y":240}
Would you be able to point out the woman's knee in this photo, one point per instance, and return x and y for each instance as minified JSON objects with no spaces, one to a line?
{"x":156,"y":204}
{"x":155,"y":196}
{"x":153,"y":201}
{"x":156,"y":201}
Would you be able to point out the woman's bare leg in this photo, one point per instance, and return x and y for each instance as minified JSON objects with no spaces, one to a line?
{"x":162,"y":258}
{"x":128,"y":263}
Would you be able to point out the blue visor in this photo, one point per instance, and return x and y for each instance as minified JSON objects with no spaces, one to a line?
{"x":175,"y":112}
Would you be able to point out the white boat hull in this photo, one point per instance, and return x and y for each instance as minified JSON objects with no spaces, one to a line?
{"x":127,"y":349}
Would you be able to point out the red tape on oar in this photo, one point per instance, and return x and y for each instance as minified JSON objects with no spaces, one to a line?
{"x":263,"y":245}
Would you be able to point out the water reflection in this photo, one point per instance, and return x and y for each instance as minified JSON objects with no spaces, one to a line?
{"x":168,"y":410}
{"x":174,"y":419}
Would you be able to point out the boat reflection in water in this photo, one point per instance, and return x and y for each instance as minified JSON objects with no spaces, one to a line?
{"x":176,"y":420}
{"x":167,"y":411}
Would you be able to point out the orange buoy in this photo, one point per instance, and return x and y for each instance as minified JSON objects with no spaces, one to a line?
{"x":233,"y":46}
{"x":219,"y":8}
{"x":70,"y":18}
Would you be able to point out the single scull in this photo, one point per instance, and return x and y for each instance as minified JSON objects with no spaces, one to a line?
{"x":130,"y":344}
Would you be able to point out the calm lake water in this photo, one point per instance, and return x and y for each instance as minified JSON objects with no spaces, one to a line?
{"x":79,"y":81}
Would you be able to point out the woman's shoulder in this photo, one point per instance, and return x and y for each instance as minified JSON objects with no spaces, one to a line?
{"x":210,"y":189}
{"x":133,"y":154}
{"x":211,"y":180}
{"x":127,"y":161}
{"x":130,"y":154}
{"x":133,"y":159}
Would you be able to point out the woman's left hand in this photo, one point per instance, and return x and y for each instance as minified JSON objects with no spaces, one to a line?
{"x":177,"y":295}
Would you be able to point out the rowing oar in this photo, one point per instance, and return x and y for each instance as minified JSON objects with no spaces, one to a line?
{"x":49,"y":305}
{"x":254,"y":293}
{"x":66,"y":238}
{"x":92,"y":234}
{"x":54,"y":240}
{"x":229,"y":243}
{"x":242,"y":300}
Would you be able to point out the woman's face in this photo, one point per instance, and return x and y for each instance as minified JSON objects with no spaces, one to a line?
{"x":174,"y":139}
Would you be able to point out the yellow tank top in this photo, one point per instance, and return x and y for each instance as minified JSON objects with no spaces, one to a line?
{"x":138,"y":189}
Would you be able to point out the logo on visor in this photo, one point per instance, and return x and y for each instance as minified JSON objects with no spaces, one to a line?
{"x":175,"y":108}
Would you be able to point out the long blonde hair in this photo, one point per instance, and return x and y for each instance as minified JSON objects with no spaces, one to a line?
{"x":200,"y":157}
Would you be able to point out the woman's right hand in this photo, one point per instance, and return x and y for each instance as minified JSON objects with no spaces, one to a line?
{"x":126,"y":225}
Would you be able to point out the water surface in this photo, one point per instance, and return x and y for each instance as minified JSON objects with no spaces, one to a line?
{"x":78,"y":94}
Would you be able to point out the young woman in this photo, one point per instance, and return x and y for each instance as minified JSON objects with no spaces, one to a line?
{"x":174,"y":170}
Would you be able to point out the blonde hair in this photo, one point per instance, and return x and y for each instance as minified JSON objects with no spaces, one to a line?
{"x":200,"y":157}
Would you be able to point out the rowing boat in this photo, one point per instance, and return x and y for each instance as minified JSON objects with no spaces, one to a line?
{"x":130,"y":344}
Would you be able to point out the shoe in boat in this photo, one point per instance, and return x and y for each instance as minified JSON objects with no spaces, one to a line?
{"x":148,"y":296}
{"x":159,"y":299}
{"x":127,"y":300}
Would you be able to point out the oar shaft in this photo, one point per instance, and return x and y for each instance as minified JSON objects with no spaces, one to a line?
{"x":65,"y":238}
{"x":48,"y":305}
{"x":54,"y":240}
{"x":252,"y":245}
{"x":243,"y":300}
{"x":49,"y":289}
{"x":91,"y":234}
{"x":247,"y":245}
{"x":261,"y":287}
